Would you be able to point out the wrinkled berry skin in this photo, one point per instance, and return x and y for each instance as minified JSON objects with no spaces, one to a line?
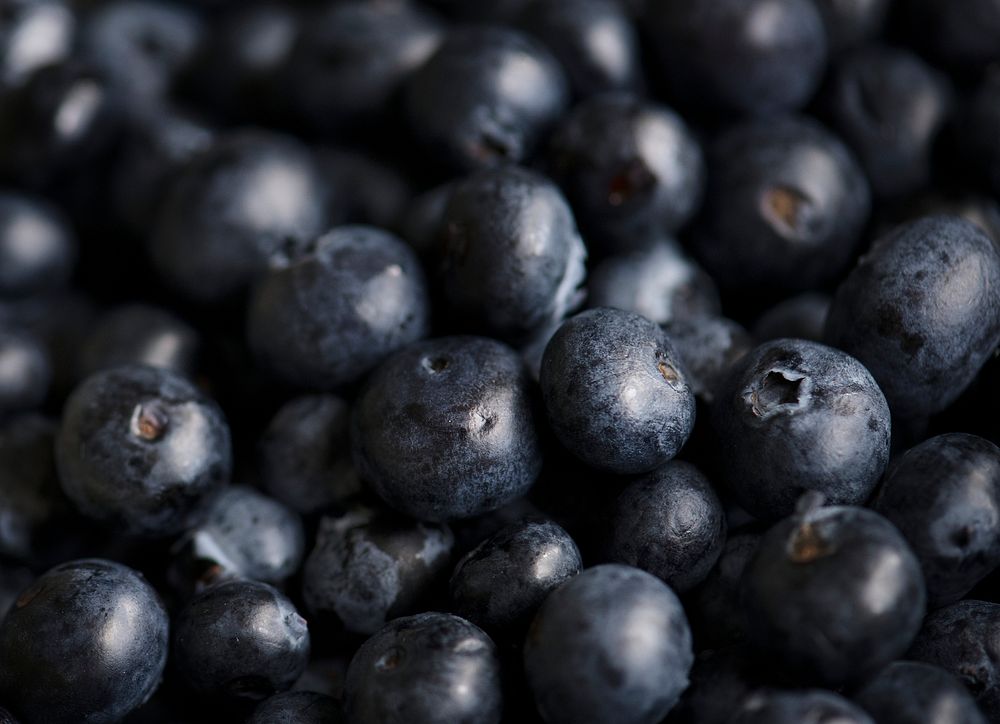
{"x":446,"y":429}
{"x":610,"y":645}
{"x":921,"y":311}
{"x":909,"y":692}
{"x":626,"y":163}
{"x":500,"y":584}
{"x":369,"y":567}
{"x":944,"y":496}
{"x":143,"y":335}
{"x":241,"y":534}
{"x":594,"y":41}
{"x":796,"y":416}
{"x":298,"y":707}
{"x":338,"y":310}
{"x":253,"y":199}
{"x":242,"y":639}
{"x":35,"y":34}
{"x":669,"y":523}
{"x":715,"y":53}
{"x":140,"y":447}
{"x":840,"y":575}
{"x":433,"y":668}
{"x":795,"y":707}
{"x":785,"y":207}
{"x":37,"y":247}
{"x":615,"y":393}
{"x":485,"y":97}
{"x":658,"y":282}
{"x":86,"y":642}
{"x":305,"y":454}
{"x":512,"y":257}
{"x":964,"y":639}
{"x":889,"y":106}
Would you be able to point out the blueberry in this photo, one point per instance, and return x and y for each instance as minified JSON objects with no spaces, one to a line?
{"x":420,"y":221}
{"x":794,"y":707}
{"x":669,"y":523}
{"x":143,"y":335}
{"x":852,"y":22}
{"x":922,"y":312}
{"x":34,"y":34}
{"x":364,"y":189}
{"x":907,"y":692}
{"x":626,"y":163}
{"x":833,"y":593}
{"x":500,"y":584}
{"x":254,"y":198}
{"x":241,"y":534}
{"x":86,"y":642}
{"x":785,"y":206}
{"x":944,"y":496}
{"x":338,"y":310}
{"x":512,"y":258}
{"x":746,"y":56}
{"x":708,"y":347}
{"x":298,"y":707}
{"x":615,"y":393}
{"x":305,"y":454}
{"x":369,"y":567}
{"x":720,"y":611}
{"x":352,"y":57}
{"x":593,"y":39}
{"x":241,"y":639}
{"x":802,"y":317}
{"x":659,"y":282}
{"x":140,"y":447}
{"x":964,"y":639}
{"x":25,"y":371}
{"x":433,"y":668}
{"x":141,"y":45}
{"x":889,"y":106}
{"x":610,"y":645}
{"x":485,"y":97}
{"x":446,"y":429}
{"x":796,"y":416}
{"x":38,"y":249}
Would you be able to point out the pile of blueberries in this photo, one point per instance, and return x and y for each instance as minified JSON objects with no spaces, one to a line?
{"x":500,"y":361}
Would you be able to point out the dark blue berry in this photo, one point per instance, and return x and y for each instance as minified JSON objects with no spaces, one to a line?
{"x":908,"y":692}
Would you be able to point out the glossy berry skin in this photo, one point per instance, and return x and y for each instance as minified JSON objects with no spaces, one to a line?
{"x":852,"y":22}
{"x":964,"y":639}
{"x":921,"y":311}
{"x":240,"y":534}
{"x":658,"y":282}
{"x":87,"y":642}
{"x":794,"y":707}
{"x":841,"y":575}
{"x":908,"y":692}
{"x":305,"y":454}
{"x":944,"y":496}
{"x":433,"y":668}
{"x":626,"y":163}
{"x":714,"y":52}
{"x":140,"y":446}
{"x":790,"y":396}
{"x":718,"y":604}
{"x":253,"y":199}
{"x":669,"y":523}
{"x":369,"y":567}
{"x":889,"y":106}
{"x":610,"y":645}
{"x":785,"y":206}
{"x":709,"y":347}
{"x":500,"y":584}
{"x":802,"y":316}
{"x":25,"y":371}
{"x":351,"y":58}
{"x":446,"y":429}
{"x":615,"y":393}
{"x":356,"y":296}
{"x":143,"y":335}
{"x":512,"y":257}
{"x":241,"y":639}
{"x":35,"y":34}
{"x":594,"y":41}
{"x":37,"y":247}
{"x":298,"y":707}
{"x":485,"y":97}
